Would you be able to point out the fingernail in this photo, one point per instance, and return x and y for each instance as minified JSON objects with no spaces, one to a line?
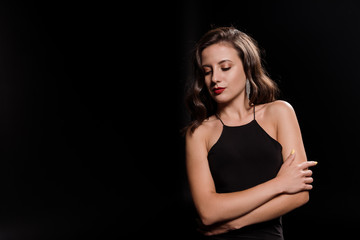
{"x":292,"y":151}
{"x":315,"y":163}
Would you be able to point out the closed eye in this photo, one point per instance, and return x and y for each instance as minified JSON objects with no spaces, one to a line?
{"x":207,"y":70}
{"x":226,"y":69}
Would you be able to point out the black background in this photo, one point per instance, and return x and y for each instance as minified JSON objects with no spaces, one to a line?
{"x":91,"y":104}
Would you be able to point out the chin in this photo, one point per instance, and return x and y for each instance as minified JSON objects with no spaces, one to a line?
{"x":221,"y":99}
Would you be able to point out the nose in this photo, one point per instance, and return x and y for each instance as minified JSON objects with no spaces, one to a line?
{"x":215,"y":77}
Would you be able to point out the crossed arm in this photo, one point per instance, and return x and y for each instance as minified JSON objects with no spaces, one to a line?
{"x":272,"y":209}
{"x":263,"y":202}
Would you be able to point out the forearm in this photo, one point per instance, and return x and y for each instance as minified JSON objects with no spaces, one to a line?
{"x":275,"y":208}
{"x":227,"y":206}
{"x":272,"y":209}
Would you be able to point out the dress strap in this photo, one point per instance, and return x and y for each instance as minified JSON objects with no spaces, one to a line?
{"x":219,"y":119}
{"x":254,"y":111}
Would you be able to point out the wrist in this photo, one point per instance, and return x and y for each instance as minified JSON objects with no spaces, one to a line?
{"x":278,"y":186}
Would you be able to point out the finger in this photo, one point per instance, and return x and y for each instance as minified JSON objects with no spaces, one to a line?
{"x":290,"y":159}
{"x":307,"y":164}
{"x":309,"y":180}
{"x":210,"y":233}
{"x":308,"y":173}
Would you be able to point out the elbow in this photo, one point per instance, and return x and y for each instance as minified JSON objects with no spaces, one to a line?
{"x":303,"y":198}
{"x":208,"y":216}
{"x":207,"y":219}
{"x":208,"y":212}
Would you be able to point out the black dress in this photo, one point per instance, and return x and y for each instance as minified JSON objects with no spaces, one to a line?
{"x":243,"y":157}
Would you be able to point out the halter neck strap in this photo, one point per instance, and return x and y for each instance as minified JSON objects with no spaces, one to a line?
{"x":254,"y":111}
{"x":217,"y":116}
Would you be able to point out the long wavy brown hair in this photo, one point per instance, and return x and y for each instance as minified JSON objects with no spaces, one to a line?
{"x":263,"y":90}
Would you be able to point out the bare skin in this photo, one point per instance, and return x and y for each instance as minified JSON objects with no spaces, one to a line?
{"x":287,"y":191}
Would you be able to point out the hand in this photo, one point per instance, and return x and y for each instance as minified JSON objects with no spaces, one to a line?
{"x":295,"y":177}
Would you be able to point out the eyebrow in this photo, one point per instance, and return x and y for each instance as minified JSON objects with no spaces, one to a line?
{"x":222,"y":61}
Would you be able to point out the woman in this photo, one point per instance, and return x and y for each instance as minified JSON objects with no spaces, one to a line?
{"x":237,"y":141}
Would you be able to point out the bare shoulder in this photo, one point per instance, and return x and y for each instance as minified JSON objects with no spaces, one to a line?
{"x":206,"y":127}
{"x":279,"y":106}
{"x":279,"y":109}
{"x":204,"y":134}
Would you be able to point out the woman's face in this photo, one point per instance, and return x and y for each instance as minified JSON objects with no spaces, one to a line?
{"x":224,"y":72}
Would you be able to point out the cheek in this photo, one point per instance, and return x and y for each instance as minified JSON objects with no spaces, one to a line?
{"x":208,"y":85}
{"x":238,"y":78}
{"x":207,"y":82}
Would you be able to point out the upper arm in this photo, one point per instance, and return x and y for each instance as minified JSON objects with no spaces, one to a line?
{"x":198,"y":171}
{"x":288,"y":130}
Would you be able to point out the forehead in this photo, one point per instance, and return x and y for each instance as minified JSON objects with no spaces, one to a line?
{"x":215,"y":53}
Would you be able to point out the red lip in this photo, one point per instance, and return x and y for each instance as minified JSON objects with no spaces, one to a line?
{"x":218,"y":90}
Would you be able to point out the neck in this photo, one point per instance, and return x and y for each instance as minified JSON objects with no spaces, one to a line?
{"x":236,"y":110}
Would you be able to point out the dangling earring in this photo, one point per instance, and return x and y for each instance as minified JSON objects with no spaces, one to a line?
{"x":247,"y":88}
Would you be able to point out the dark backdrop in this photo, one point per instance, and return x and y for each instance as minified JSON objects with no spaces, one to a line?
{"x":91,"y":104}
